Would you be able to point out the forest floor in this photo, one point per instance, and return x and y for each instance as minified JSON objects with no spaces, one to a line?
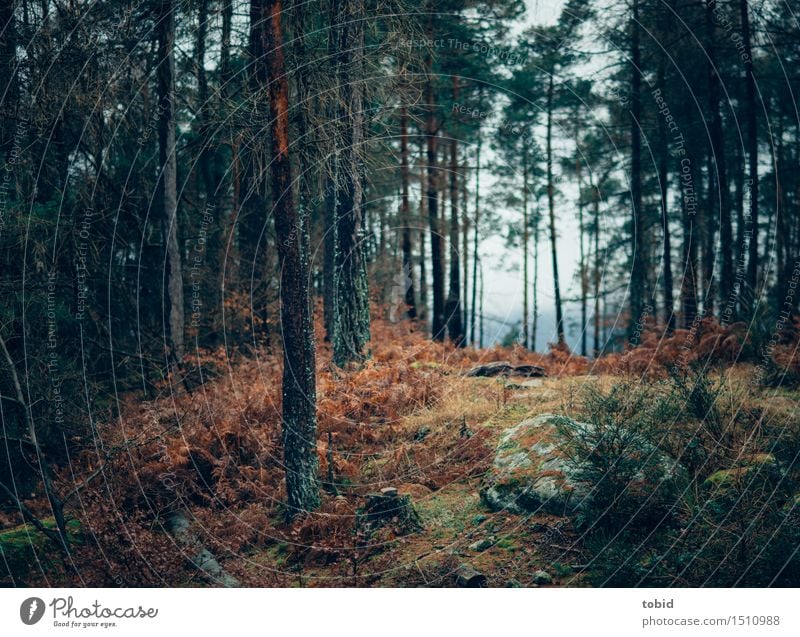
{"x":458,"y":529}
{"x":409,"y":419}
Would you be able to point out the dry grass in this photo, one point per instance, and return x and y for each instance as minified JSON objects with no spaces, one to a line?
{"x":408,"y":418}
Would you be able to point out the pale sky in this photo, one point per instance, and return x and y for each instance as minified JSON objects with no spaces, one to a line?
{"x":503,"y":265}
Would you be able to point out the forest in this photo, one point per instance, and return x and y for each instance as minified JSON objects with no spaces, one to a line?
{"x":399,"y":293}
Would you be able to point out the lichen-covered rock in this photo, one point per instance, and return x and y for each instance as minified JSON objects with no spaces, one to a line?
{"x":533,"y":470}
{"x":757,"y":472}
{"x":504,"y":368}
{"x":747,"y":468}
{"x":530,"y":473}
{"x":481,"y":545}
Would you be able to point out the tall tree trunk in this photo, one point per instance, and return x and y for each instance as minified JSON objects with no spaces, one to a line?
{"x":228,"y":259}
{"x":741,"y":247}
{"x":751,"y":218}
{"x":423,"y":280}
{"x":423,"y":259}
{"x":552,"y":211}
{"x":535,"y":326}
{"x":169,"y":175}
{"x":480,"y":312}
{"x":783,"y":261}
{"x":203,"y":159}
{"x":250,"y":223}
{"x":584,"y":284}
{"x":455,"y":328}
{"x":299,"y":366}
{"x":638,"y":275}
{"x":437,"y":257}
{"x":225,"y":47}
{"x":475,"y":257}
{"x":465,"y":226}
{"x":582,"y":250}
{"x":720,"y":162}
{"x":663,"y":177}
{"x":597,"y":267}
{"x":526,"y":338}
{"x":212,"y":237}
{"x":9,"y":73}
{"x":351,"y":310}
{"x":709,"y":245}
{"x":329,"y":243}
{"x":689,"y":198}
{"x":405,"y":217}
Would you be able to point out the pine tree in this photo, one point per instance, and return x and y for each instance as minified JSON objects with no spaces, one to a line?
{"x":291,"y":230}
{"x":169,"y":175}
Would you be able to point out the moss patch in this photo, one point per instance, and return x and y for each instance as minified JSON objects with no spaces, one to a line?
{"x":24,"y":549}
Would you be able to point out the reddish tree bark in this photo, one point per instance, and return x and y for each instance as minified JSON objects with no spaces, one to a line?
{"x":299,"y":365}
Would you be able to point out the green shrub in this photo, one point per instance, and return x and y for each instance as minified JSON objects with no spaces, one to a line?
{"x":733,"y":519}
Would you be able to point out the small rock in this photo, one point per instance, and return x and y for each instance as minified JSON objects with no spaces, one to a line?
{"x":542,"y":577}
{"x":504,"y":368}
{"x":468,"y":577}
{"x":527,"y":384}
{"x":481,"y":545}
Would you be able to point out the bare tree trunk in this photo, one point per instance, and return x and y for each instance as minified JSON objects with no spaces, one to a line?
{"x":552,"y":212}
{"x":423,"y":260}
{"x":720,"y":163}
{"x":475,"y":257}
{"x":465,"y":226}
{"x":351,"y":332}
{"x":709,"y":244}
{"x":741,"y":247}
{"x":423,"y":279}
{"x":534,"y":328}
{"x":637,"y":272}
{"x":228,"y":258}
{"x":405,"y":217}
{"x":663,"y":176}
{"x":437,"y":257}
{"x":169,"y":174}
{"x":249,"y":225}
{"x":299,"y":366}
{"x":213,"y":241}
{"x":752,"y":153}
{"x":526,"y":340}
{"x":225,"y":47}
{"x":782,"y":227}
{"x":202,"y":99}
{"x":690,"y":240}
{"x":9,"y":105}
{"x":582,"y":251}
{"x":596,"y":204}
{"x":480,"y":339}
{"x":455,"y":328}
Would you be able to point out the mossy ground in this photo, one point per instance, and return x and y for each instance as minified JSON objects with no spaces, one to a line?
{"x":24,"y":548}
{"x":444,"y":488}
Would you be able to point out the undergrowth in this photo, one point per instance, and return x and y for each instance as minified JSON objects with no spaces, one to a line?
{"x":727,"y":517}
